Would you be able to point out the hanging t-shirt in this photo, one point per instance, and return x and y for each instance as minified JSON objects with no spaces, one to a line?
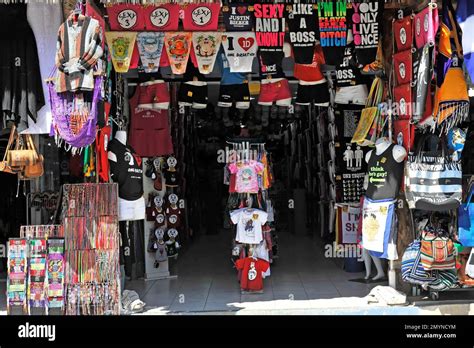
{"x":228,"y":78}
{"x":366,"y":28}
{"x":350,"y":157}
{"x":311,"y":72}
{"x":164,"y":17}
{"x":347,"y":73}
{"x":126,"y":17}
{"x":349,"y":224}
{"x":238,"y":17}
{"x":249,"y":224}
{"x":206,"y":45}
{"x":178,"y":47}
{"x":246,"y":175}
{"x":150,"y":47}
{"x":240,"y":49}
{"x":160,"y":217}
{"x":385,"y":175}
{"x":303,"y":26}
{"x":126,"y":171}
{"x":251,"y":276}
{"x":332,"y":23}
{"x":174,"y":217}
{"x":171,"y":178}
{"x":201,"y":16}
{"x":270,"y":34}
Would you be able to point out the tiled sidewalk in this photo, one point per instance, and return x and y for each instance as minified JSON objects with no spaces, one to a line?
{"x":207,"y":282}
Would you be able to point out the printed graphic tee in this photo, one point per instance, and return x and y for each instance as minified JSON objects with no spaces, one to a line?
{"x":311,"y":72}
{"x":240,"y":49}
{"x":303,"y":25}
{"x":351,"y":167}
{"x":161,"y":18}
{"x":366,"y":28}
{"x":206,"y":45}
{"x":246,"y":175}
{"x":228,"y":77}
{"x":126,"y":17}
{"x":249,"y":224}
{"x":238,"y":17}
{"x":347,"y":73}
{"x":270,"y":34}
{"x":252,"y":269}
{"x":333,"y":25}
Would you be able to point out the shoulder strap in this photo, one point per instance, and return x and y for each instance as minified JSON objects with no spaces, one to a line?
{"x":10,"y":141}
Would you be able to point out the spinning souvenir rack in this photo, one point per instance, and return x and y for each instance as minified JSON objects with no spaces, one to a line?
{"x":91,"y":233}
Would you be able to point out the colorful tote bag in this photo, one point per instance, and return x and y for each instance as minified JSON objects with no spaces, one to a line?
{"x":164,"y":17}
{"x":403,"y":33}
{"x":206,"y":44}
{"x":437,"y":251}
{"x":178,"y":48}
{"x":121,"y":46}
{"x":369,"y":113}
{"x":426,"y":25}
{"x":150,"y":47}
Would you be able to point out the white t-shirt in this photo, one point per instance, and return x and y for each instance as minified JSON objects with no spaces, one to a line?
{"x":249,"y":225}
{"x":240,"y":49}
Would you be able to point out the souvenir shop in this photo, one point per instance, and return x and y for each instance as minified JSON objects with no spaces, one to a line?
{"x":131,"y":130}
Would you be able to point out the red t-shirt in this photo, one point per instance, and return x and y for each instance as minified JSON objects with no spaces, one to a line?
{"x":252,"y":270}
{"x":311,"y":72}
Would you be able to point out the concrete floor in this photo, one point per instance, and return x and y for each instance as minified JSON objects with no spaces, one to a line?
{"x":207,"y":282}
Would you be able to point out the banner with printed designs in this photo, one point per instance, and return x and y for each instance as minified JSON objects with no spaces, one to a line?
{"x":178,"y":48}
{"x":206,"y":45}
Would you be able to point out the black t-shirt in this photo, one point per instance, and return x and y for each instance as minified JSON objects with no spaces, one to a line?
{"x":350,"y":157}
{"x":302,"y":22}
{"x":127,"y":171}
{"x":270,"y":64}
{"x":347,"y":73}
{"x":367,"y":28}
{"x":333,"y":24}
{"x":171,"y":178}
{"x":238,"y":17}
{"x":385,"y":175}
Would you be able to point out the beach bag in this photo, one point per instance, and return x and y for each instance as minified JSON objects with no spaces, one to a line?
{"x":411,"y":269}
{"x":4,"y":165}
{"x":433,"y":181}
{"x":437,"y":251}
{"x":369,"y":116}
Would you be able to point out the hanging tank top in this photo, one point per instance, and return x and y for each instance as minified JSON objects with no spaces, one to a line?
{"x":385,"y":175}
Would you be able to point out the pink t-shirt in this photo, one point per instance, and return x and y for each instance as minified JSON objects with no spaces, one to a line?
{"x":246,"y":175}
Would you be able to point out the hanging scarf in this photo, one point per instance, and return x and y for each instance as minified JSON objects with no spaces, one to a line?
{"x":206,"y":45}
{"x":451,"y":99}
{"x":121,"y":46}
{"x":178,"y":45}
{"x":150,"y":47}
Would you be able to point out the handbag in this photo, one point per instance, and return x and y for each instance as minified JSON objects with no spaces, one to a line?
{"x":4,"y":166}
{"x":368,"y":119}
{"x":32,"y":171}
{"x":411,"y":268}
{"x":23,"y":155}
{"x":437,"y":251}
{"x":466,"y":221}
{"x":433,"y":181}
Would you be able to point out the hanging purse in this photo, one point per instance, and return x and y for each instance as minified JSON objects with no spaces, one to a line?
{"x":4,"y":166}
{"x":35,"y":170}
{"x":437,"y":251}
{"x":433,"y":181}
{"x":22,"y":155}
{"x":369,"y":114}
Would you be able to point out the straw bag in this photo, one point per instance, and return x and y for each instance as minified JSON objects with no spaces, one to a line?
{"x":369,"y":123}
{"x":23,"y":155}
